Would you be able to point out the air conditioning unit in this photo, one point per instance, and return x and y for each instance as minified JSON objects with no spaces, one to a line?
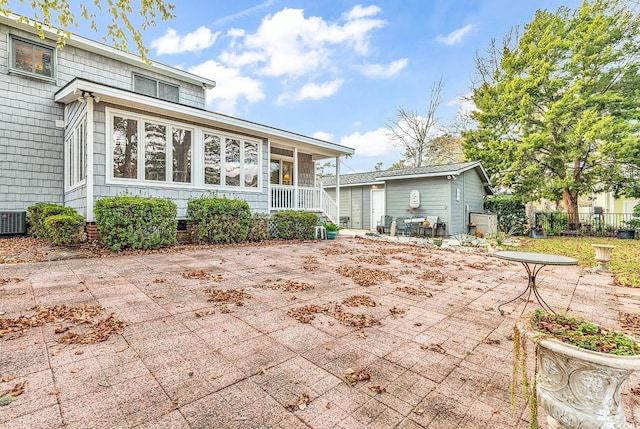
{"x":13,"y":223}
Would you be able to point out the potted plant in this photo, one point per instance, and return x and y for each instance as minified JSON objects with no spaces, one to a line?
{"x":579,"y":373}
{"x":634,"y":223}
{"x":332,"y":230}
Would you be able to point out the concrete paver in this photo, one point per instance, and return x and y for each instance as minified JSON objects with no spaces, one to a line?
{"x":438,"y":360}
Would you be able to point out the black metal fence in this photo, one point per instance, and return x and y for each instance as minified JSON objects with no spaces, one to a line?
{"x":606,"y":224}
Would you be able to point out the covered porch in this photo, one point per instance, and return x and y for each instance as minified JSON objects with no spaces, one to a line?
{"x":292,"y":178}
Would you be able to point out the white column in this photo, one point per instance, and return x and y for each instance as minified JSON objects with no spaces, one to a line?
{"x":89,"y":180}
{"x":295,"y":178}
{"x":337,"y":189}
{"x":269,"y":196}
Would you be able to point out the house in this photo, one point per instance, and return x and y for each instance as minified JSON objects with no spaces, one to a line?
{"x":89,"y":121}
{"x":450,"y":191}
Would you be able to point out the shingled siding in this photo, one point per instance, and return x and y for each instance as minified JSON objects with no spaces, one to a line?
{"x":31,"y":157}
{"x":31,"y":146}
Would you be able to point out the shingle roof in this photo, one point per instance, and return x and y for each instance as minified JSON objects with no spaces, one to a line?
{"x":427,"y":170}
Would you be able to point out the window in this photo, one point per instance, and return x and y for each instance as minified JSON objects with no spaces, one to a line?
{"x":181,"y":155}
{"x":155,"y":151}
{"x":281,"y":172}
{"x":165,"y":150}
{"x":156,"y":88}
{"x":162,"y":152}
{"x":76,"y":154}
{"x":237,"y":158}
{"x":125,"y":148}
{"x":32,"y":58}
{"x":212,"y":154}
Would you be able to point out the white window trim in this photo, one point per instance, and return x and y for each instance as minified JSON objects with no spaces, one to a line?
{"x":197,"y":155}
{"x":54,"y":59}
{"x":71,"y":170}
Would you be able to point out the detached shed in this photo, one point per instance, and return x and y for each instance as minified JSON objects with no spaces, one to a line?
{"x":450,"y":191}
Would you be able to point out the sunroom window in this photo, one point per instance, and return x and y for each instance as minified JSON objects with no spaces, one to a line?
{"x":32,"y":58}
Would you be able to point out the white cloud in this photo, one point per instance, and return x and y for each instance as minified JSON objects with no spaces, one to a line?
{"x":464,"y":104}
{"x":381,"y":71}
{"x":289,"y":44}
{"x":361,"y":12}
{"x":321,"y":135}
{"x":371,"y":143}
{"x":230,"y":86}
{"x":172,"y":43}
{"x":313,"y":91}
{"x":455,"y":36}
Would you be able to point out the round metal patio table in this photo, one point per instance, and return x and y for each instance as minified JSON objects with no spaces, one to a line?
{"x":533,"y":263}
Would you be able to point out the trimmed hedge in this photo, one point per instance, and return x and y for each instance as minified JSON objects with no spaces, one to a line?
{"x":136,"y":222}
{"x":218,"y":219}
{"x":294,"y":225}
{"x":37,"y":214}
{"x":512,"y":216}
{"x":258,"y":227}
{"x":65,"y":229}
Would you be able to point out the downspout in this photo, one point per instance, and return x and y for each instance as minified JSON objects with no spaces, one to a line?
{"x":89,"y":180}
{"x":337,"y":189}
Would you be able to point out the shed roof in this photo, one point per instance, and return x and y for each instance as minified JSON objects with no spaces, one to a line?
{"x":377,"y":177}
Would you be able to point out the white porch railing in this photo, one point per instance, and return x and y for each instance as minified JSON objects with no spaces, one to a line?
{"x":304,"y":199}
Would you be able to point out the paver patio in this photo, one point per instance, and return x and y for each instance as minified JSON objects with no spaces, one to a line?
{"x":183,"y":361}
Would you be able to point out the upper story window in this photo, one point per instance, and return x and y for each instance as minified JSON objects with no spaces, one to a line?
{"x":156,"y":88}
{"x":32,"y":58}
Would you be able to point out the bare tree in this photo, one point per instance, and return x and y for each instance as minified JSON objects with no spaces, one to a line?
{"x":417,"y":135}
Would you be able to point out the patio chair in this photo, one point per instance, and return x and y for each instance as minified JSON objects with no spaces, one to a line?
{"x":321,"y":231}
{"x":384,"y":224}
{"x":401,"y":226}
{"x":433,"y":226}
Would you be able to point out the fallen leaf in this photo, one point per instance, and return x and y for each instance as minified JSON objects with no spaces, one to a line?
{"x":122,"y":349}
{"x":55,"y":392}
{"x":328,"y":405}
{"x":418,"y":411}
{"x":79,"y":352}
{"x":434,"y":348}
{"x":8,"y":378}
{"x":377,"y":389}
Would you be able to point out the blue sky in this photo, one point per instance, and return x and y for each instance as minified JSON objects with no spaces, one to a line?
{"x":336,"y":70}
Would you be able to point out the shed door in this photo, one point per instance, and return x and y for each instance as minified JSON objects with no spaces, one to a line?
{"x":377,"y":206}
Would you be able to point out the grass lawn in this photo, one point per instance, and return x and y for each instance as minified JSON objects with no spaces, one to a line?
{"x":625,"y":258}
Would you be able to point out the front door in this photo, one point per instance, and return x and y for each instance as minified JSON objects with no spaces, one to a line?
{"x":377,"y":206}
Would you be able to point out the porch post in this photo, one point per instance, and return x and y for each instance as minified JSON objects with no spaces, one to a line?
{"x":337,"y":189}
{"x":269,"y":196}
{"x":295,"y":178}
{"x":89,"y":154}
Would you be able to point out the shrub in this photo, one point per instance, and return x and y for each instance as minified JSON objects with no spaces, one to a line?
{"x":218,"y":219}
{"x":258,"y":227}
{"x":65,"y":229}
{"x":136,"y":222}
{"x":37,"y":214}
{"x":294,"y":225}
{"x":512,"y":216}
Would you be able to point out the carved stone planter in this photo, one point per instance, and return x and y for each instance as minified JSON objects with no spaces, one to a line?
{"x":603,"y":256}
{"x":580,"y":388}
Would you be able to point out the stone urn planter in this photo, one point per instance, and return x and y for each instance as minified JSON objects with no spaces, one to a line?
{"x":603,"y":256}
{"x":578,"y":388}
